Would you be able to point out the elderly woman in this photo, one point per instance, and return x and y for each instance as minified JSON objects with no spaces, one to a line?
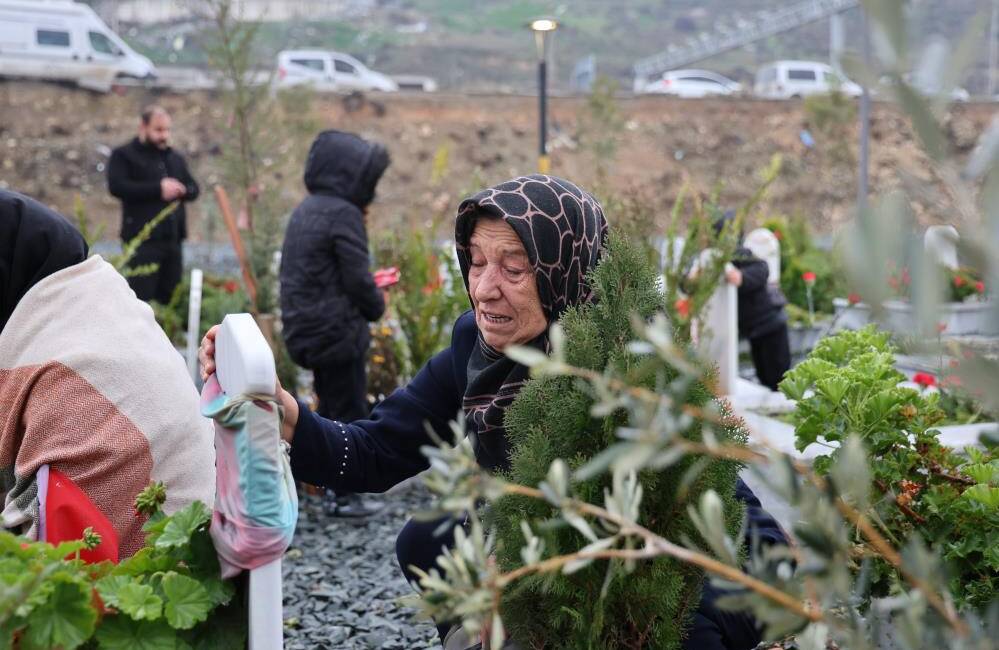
{"x":524,"y":247}
{"x":95,"y":403}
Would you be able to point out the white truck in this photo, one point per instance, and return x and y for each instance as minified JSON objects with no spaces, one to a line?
{"x":61,"y":40}
{"x":799,"y":79}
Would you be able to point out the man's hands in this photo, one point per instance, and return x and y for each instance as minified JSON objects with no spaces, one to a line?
{"x":206,"y":356}
{"x":171,"y":189}
{"x":733,"y":276}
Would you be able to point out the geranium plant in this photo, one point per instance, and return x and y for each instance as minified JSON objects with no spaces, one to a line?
{"x":168,"y":595}
{"x":849,"y":384}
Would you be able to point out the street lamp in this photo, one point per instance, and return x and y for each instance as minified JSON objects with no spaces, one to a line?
{"x":543,"y":29}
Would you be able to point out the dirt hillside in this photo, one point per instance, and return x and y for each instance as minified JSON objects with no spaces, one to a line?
{"x":54,"y":144}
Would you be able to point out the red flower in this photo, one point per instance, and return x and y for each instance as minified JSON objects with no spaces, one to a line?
{"x":778,"y":234}
{"x":893,"y":282}
{"x":941,"y":328}
{"x":853,"y":298}
{"x":230,"y":286}
{"x":906,"y":278}
{"x":808,"y":277}
{"x":682,"y":306}
{"x":959,"y":281}
{"x":980,"y":287}
{"x":924,"y":379}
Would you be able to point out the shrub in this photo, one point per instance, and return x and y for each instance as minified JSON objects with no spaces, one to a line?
{"x":849,"y":384}
{"x":550,"y":419}
{"x":427,"y":300}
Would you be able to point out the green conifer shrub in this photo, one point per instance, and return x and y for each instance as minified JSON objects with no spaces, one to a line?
{"x":651,"y":606}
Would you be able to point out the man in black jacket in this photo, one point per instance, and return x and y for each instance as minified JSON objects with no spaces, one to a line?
{"x":147,"y":175}
{"x":328,"y":295}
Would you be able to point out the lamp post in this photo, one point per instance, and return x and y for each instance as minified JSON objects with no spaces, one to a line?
{"x":543,"y":29}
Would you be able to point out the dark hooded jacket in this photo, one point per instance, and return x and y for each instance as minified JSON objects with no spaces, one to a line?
{"x":761,"y":304}
{"x":328,"y":294}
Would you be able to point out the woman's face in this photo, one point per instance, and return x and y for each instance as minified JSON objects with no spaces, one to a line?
{"x":502,"y":286}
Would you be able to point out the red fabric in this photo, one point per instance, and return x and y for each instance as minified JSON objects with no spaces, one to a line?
{"x":68,"y":512}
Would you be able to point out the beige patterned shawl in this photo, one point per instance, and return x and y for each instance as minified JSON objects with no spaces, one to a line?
{"x":90,"y":385}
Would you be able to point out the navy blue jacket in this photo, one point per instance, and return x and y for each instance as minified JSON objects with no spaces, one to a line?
{"x":375,"y":454}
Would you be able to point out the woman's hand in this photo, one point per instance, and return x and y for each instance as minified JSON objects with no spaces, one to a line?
{"x":206,"y":353}
{"x":206,"y":356}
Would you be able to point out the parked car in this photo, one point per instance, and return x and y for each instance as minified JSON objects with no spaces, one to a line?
{"x":329,"y":72}
{"x":798,"y":79}
{"x":62,"y":40}
{"x":691,"y":83}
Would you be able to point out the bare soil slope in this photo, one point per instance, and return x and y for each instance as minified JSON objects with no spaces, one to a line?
{"x":54,"y":144}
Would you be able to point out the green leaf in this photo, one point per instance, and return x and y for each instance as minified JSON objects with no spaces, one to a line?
{"x":187,"y":602}
{"x":989,"y":496}
{"x":219,"y":591}
{"x":526,"y":356}
{"x":182,"y":524}
{"x":122,"y":633}
{"x":851,"y":473}
{"x":982,"y":472}
{"x":833,"y":388}
{"x":139,"y":602}
{"x":147,"y":561}
{"x":109,"y":587}
{"x":65,"y":620}
{"x":923,"y":122}
{"x":888,"y":21}
{"x":794,"y":386}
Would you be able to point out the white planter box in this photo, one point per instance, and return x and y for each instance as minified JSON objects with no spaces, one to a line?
{"x":961,"y":318}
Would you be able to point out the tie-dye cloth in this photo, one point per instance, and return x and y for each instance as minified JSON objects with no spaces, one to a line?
{"x":256,"y":506}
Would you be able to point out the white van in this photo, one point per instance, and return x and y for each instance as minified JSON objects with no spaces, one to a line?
{"x":329,"y":71}
{"x":60,"y":40}
{"x":797,"y":79}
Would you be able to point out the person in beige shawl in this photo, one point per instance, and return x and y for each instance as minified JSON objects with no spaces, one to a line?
{"x":93,"y":397}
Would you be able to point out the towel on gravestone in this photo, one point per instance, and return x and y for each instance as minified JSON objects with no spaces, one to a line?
{"x":92,"y":389}
{"x":256,"y":505}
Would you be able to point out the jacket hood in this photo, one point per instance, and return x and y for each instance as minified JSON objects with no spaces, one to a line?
{"x":346,"y":166}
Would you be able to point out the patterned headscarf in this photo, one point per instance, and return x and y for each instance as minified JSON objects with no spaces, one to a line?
{"x":563,"y":229}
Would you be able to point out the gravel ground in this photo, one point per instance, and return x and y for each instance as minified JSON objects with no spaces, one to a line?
{"x":341,"y":579}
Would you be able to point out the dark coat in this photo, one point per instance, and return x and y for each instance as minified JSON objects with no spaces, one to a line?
{"x":328,"y":294}
{"x":761,"y":307}
{"x":373,"y":455}
{"x":134,"y":175}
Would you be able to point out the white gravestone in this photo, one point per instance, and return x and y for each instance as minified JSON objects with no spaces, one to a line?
{"x":940,"y":243}
{"x":718,"y":330}
{"x":245,"y":365}
{"x":194,"y":323}
{"x":762,"y":243}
